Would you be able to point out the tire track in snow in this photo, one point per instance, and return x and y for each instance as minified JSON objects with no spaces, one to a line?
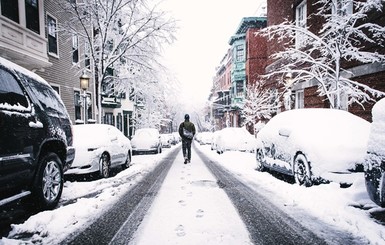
{"x":266,"y":223}
{"x":118,"y":224}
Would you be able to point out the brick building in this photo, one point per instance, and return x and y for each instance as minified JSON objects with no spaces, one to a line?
{"x":305,"y":94}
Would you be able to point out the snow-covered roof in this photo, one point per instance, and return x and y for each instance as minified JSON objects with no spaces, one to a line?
{"x":246,"y":23}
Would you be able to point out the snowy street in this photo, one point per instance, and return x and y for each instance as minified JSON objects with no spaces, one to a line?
{"x":195,"y":206}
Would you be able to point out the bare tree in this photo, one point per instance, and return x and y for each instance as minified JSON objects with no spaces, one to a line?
{"x":124,"y":38}
{"x":260,"y":104}
{"x":344,"y":37}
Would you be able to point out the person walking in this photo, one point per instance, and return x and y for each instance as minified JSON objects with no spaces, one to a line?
{"x":186,"y":132}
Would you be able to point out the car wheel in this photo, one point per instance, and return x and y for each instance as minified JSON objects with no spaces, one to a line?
{"x":104,"y":166}
{"x":301,"y":170}
{"x":48,"y":185}
{"x":375,"y":185}
{"x":260,"y":156}
{"x":127,"y":163}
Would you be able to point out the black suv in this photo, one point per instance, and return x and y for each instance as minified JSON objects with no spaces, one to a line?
{"x":35,"y":138}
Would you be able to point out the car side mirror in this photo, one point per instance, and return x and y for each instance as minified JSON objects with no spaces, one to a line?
{"x":285,"y":132}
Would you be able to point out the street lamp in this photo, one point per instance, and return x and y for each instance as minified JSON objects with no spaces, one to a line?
{"x":84,"y":83}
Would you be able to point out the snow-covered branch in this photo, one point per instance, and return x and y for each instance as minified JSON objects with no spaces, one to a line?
{"x":344,"y":37}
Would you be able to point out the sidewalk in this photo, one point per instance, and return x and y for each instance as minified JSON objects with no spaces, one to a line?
{"x":191,"y":209}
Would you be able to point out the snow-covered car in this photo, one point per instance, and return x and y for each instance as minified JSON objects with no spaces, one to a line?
{"x":176,"y":138}
{"x":375,"y":159}
{"x":166,"y":140}
{"x":214,"y":140}
{"x":313,"y":145}
{"x":204,"y":138}
{"x":235,"y":139}
{"x":99,"y":148}
{"x":35,"y":138}
{"x":146,"y":140}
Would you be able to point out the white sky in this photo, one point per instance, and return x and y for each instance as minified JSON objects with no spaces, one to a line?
{"x":205,"y":28}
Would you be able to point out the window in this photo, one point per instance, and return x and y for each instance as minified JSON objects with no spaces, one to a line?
{"x":119,"y":120}
{"x":239,"y":88}
{"x":56,"y":88}
{"x":240,"y":53}
{"x":10,"y":9}
{"x":32,"y":15}
{"x":300,"y":21}
{"x":343,"y":8}
{"x":109,"y":119}
{"x":11,"y":94}
{"x":87,"y":61}
{"x":299,"y":99}
{"x":52,"y":35}
{"x":89,"y":106}
{"x":78,"y":105}
{"x":75,"y":49}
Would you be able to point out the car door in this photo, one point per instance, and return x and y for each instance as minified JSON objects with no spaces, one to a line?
{"x":19,"y":133}
{"x":118,"y":155}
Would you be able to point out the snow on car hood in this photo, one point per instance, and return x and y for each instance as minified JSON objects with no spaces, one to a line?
{"x":332,"y":140}
{"x":145,"y":138}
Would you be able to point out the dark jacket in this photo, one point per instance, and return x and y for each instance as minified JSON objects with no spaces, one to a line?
{"x":188,"y":126}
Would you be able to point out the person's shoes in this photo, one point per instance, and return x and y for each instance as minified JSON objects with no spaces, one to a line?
{"x":185,"y":160}
{"x":188,"y":161}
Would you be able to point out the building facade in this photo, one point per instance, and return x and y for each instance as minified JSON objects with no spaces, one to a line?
{"x":67,"y":52}
{"x":306,"y":93}
{"x":32,"y":35}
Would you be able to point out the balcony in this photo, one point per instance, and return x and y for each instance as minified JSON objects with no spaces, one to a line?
{"x":22,"y":46}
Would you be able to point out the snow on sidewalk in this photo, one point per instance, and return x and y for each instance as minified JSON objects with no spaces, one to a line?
{"x":191,"y":209}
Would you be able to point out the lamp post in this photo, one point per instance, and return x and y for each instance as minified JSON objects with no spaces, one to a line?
{"x":84,"y":83}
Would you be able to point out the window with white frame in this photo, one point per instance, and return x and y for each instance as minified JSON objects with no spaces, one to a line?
{"x":10,"y":9}
{"x":78,"y":105}
{"x":75,"y":49}
{"x":342,"y":8}
{"x":299,"y":99}
{"x":52,"y":35}
{"x":240,"y":53}
{"x":27,"y":13}
{"x":300,"y":21}
{"x":87,"y":60}
{"x":32,"y":15}
{"x":56,"y":88}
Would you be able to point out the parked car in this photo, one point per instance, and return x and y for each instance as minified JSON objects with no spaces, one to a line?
{"x":146,"y":140}
{"x":35,"y":138}
{"x":204,"y":138}
{"x":166,"y":139}
{"x":313,"y":145}
{"x":214,"y":140}
{"x":99,"y":148}
{"x":235,"y":139}
{"x":176,"y":138}
{"x":375,"y":158}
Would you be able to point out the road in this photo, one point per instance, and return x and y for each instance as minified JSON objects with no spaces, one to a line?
{"x":265,"y":223}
